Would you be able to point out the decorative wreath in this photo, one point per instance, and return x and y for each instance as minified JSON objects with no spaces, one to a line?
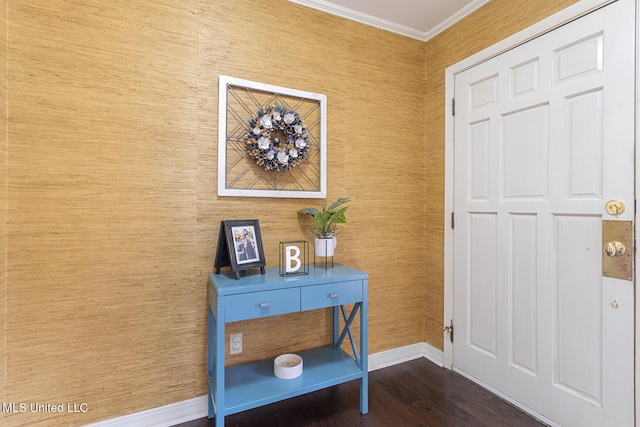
{"x":277,"y":138}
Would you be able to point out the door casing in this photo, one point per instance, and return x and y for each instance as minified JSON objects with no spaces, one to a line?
{"x":571,"y":13}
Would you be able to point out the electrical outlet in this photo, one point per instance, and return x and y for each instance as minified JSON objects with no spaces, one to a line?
{"x":235,"y":343}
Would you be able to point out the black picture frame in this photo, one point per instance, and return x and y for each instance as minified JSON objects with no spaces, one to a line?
{"x":240,"y":246}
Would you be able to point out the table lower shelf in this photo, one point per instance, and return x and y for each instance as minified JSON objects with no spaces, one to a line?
{"x":254,"y":384}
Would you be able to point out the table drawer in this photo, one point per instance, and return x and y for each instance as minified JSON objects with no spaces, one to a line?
{"x":330,"y":295}
{"x":261,"y":304}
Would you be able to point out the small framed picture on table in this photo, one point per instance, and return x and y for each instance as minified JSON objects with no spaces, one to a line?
{"x":240,"y":246}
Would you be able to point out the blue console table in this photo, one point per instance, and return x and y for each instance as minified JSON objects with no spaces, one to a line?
{"x":256,"y":295}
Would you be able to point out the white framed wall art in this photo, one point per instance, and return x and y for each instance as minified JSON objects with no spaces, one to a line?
{"x":271,"y":141}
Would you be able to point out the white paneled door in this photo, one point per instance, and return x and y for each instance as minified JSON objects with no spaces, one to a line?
{"x":544,"y":138}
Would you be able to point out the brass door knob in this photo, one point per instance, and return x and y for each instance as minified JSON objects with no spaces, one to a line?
{"x":614,"y":248}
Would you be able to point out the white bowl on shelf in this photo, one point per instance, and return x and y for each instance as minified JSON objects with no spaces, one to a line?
{"x":287,"y":366}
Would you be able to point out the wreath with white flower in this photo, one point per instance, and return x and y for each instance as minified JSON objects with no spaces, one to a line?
{"x":277,"y":138}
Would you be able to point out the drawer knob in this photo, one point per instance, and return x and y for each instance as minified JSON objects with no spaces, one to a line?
{"x":265,"y":304}
{"x":334,"y":295}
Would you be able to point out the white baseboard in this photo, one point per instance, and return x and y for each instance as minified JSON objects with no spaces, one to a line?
{"x":192,"y":409}
{"x":164,"y":416}
{"x":398,"y":355}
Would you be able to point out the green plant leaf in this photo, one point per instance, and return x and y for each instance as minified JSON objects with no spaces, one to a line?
{"x":309,"y":211}
{"x":321,"y":219}
{"x":326,"y":220}
{"x":340,"y":201}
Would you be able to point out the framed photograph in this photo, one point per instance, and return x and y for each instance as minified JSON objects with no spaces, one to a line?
{"x":240,"y":246}
{"x":272,"y":141}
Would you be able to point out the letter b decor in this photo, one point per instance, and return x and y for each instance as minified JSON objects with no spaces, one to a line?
{"x":294,"y":257}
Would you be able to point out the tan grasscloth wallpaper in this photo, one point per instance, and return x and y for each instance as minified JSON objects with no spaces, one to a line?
{"x":109,"y":212}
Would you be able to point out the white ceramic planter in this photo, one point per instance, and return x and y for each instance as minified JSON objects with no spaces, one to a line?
{"x":287,"y":366}
{"x":325,"y":247}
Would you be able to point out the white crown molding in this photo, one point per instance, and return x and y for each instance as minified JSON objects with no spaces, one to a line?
{"x":459,"y":15}
{"x":363,"y":18}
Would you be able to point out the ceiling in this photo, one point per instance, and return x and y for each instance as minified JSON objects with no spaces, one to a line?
{"x":418,"y":19}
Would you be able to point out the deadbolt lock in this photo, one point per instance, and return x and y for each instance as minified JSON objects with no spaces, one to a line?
{"x":614,"y":207}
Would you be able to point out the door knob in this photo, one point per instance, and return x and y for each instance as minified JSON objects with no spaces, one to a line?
{"x":614,"y":248}
{"x":614,"y":207}
{"x":617,"y":261}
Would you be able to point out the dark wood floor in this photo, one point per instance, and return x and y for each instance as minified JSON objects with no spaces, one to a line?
{"x":412,"y":394}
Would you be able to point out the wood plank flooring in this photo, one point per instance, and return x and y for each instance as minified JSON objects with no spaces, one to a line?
{"x":412,"y":394}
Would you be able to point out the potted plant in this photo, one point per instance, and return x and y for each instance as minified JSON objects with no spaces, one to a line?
{"x":326,"y":225}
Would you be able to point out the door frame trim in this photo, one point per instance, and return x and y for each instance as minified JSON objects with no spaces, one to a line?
{"x":562,"y":17}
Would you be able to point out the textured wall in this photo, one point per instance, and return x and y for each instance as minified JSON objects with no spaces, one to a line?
{"x":492,"y":23}
{"x":111,"y":206}
{"x":111,"y":210}
{"x":3,"y":198}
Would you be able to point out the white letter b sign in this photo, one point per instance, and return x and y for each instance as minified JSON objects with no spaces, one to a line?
{"x":292,"y":257}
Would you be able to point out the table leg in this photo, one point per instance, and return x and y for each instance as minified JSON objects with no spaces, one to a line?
{"x":364,"y":351}
{"x":210,"y":359}
{"x":219,"y":387}
{"x":336,"y":326}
